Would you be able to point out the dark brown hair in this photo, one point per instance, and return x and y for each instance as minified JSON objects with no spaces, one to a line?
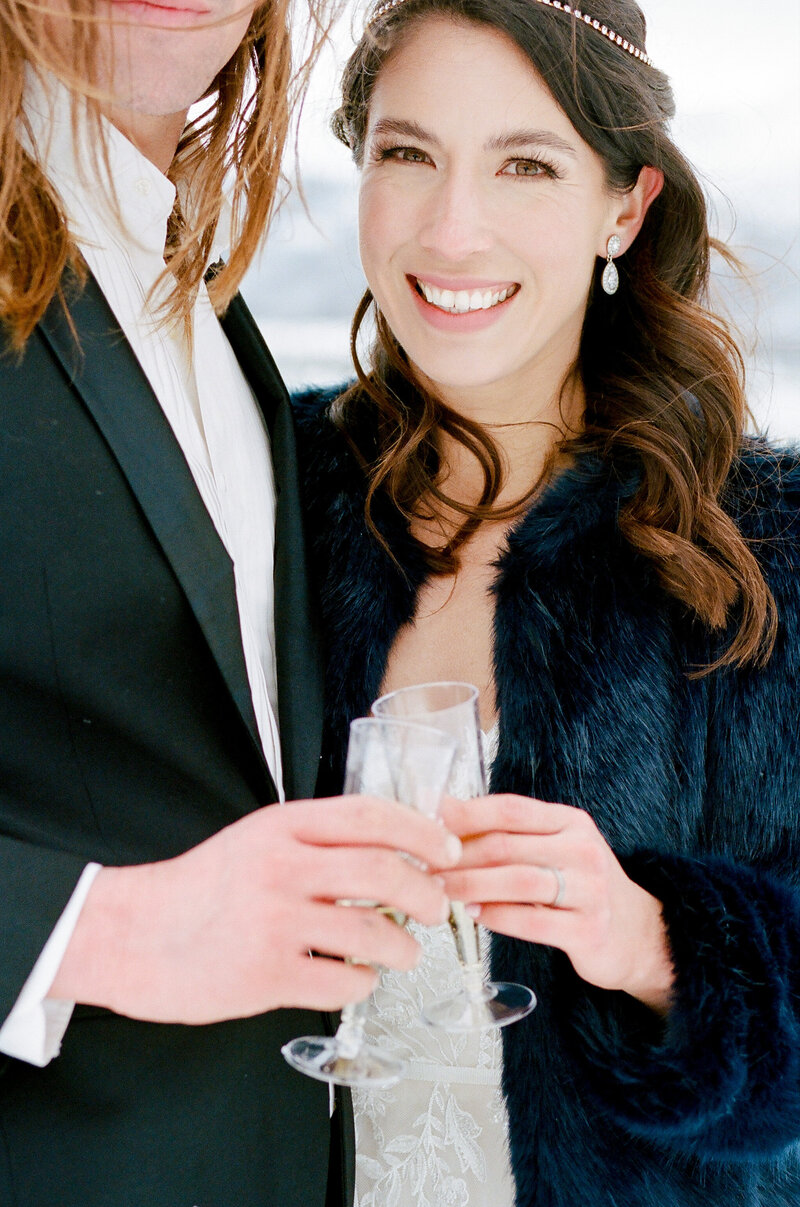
{"x":233,"y":147}
{"x":662,"y":375}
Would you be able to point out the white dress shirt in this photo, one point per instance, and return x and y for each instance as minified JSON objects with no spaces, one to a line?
{"x":210,"y":408}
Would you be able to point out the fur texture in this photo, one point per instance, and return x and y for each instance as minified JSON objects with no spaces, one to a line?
{"x":695,"y":784}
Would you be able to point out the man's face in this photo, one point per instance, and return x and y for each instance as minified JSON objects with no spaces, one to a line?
{"x":157,"y":59}
{"x":161,"y":58}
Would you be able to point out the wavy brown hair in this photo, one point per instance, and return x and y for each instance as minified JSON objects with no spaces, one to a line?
{"x":233,"y":147}
{"x":662,"y":375}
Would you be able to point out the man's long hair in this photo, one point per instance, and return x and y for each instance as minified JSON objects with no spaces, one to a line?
{"x":232,"y":147}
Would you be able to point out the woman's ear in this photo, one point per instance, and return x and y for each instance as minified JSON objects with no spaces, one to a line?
{"x":633,"y":206}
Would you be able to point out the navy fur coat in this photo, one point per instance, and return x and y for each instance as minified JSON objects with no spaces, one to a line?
{"x":695,"y":784}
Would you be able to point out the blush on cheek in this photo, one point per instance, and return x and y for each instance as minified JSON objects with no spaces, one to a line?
{"x":380,"y":227}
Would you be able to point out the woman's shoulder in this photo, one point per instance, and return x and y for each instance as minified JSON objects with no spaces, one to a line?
{"x":312,"y":406}
{"x":328,"y":464}
{"x":763,"y":490}
{"x":762,"y":496}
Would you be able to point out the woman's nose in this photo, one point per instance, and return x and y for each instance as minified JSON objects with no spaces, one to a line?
{"x":456,"y":223}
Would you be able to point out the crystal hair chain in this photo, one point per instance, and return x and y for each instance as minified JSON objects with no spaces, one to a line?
{"x":592,"y":22}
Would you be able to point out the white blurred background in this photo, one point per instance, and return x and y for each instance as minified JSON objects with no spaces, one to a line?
{"x":735,"y":69}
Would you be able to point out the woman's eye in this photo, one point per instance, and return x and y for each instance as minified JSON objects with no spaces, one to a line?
{"x":403,"y":154}
{"x":528,"y":167}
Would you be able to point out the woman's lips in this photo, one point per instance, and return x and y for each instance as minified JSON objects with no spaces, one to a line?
{"x":466,"y":305}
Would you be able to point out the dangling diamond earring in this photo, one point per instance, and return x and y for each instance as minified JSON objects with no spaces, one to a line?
{"x":610,"y":279}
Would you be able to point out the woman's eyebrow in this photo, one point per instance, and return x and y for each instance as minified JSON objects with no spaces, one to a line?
{"x":513,"y":140}
{"x":530,"y":138}
{"x":400,"y":128}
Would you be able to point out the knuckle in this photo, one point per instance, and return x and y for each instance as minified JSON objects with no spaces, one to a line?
{"x":382,"y":942}
{"x":362,"y":810}
{"x":585,"y":824}
{"x":498,"y":848}
{"x":361,"y":981}
{"x":594,"y":935}
{"x":511,"y":810}
{"x":603,"y":918}
{"x":433,"y":909}
{"x":389,"y":871}
{"x":281,"y":922}
{"x":367,"y":815}
{"x":457,"y":885}
{"x":408,"y":951}
{"x":593,"y":858}
{"x":286,"y":869}
{"x":369,"y":923}
{"x":525,"y":883}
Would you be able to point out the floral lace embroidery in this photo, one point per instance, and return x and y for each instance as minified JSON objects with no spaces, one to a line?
{"x":439,"y":1137}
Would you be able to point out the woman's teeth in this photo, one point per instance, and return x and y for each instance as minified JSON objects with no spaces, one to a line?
{"x":462,"y":301}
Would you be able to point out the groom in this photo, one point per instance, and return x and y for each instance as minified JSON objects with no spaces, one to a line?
{"x":159,"y":672}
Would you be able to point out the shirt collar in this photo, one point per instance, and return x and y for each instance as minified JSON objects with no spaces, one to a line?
{"x":133,"y":197}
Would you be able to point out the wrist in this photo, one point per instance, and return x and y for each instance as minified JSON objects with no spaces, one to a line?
{"x":652,"y":976}
{"x":105,"y":955}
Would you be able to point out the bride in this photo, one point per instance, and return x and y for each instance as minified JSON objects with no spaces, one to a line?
{"x":540,"y":485}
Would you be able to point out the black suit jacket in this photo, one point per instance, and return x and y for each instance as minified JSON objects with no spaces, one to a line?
{"x":127,"y":734}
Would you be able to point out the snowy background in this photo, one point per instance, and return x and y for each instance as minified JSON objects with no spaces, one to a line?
{"x":736,"y":75}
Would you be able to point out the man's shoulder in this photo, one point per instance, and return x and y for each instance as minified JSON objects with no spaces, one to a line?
{"x":22,"y":367}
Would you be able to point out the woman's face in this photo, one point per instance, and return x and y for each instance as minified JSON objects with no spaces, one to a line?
{"x":482,"y":213}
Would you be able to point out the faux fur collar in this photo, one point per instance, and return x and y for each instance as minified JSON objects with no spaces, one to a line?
{"x":691,"y":780}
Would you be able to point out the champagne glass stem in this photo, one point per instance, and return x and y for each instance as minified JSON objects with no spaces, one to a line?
{"x":351,"y":1029}
{"x":394,"y":760}
{"x":465,"y":935}
{"x":453,"y":708}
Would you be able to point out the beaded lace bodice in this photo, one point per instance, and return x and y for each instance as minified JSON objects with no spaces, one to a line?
{"x":439,"y":1137}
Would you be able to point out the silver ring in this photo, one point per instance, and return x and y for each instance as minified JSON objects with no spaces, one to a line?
{"x":561,"y":888}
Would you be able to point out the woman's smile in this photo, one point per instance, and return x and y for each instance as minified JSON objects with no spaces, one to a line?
{"x":461,"y":306}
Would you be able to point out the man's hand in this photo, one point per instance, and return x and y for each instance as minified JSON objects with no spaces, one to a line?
{"x":225,"y":930}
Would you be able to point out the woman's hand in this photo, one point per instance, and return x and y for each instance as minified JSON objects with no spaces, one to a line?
{"x":544,"y":873}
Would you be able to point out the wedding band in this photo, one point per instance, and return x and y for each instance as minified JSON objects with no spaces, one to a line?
{"x":561,"y":888}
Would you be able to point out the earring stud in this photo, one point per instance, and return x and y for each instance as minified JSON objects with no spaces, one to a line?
{"x":610,"y":280}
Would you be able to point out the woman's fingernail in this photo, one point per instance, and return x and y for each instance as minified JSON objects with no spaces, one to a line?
{"x":453,"y":848}
{"x":474,"y":911}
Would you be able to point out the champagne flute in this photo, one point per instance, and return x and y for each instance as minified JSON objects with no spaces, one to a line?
{"x":401,"y":761}
{"x":453,"y":707}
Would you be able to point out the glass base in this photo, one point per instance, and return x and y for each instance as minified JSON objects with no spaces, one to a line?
{"x":321,"y":1057}
{"x":492,"y":1004}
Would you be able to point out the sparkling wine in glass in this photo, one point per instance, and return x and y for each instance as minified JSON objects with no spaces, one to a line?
{"x":453,"y":707}
{"x":409,"y":763}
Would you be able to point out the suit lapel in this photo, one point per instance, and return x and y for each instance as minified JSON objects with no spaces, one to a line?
{"x":114,"y":388}
{"x":297,"y":635}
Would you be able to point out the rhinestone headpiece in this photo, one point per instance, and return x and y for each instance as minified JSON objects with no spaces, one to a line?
{"x":571,"y":11}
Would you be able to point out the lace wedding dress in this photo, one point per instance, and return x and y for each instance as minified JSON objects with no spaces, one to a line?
{"x":439,"y":1137}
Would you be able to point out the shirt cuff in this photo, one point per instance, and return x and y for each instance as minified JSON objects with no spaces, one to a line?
{"x":34,"y":1029}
